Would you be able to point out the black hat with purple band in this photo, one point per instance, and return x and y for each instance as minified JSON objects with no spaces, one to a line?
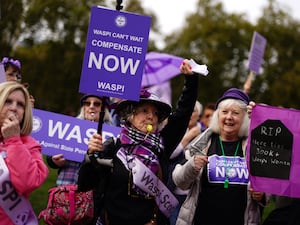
{"x":126,"y":106}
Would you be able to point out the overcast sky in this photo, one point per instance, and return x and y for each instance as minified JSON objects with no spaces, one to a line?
{"x":171,"y":13}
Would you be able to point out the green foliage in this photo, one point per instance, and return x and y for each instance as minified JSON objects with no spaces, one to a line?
{"x":51,"y":47}
{"x":10,"y":24}
{"x":221,"y":40}
{"x":269,"y":207}
{"x":52,"y":33}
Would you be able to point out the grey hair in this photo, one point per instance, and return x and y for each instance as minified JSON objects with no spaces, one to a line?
{"x":214,"y":123}
{"x":128,"y":112}
{"x":199,"y":107}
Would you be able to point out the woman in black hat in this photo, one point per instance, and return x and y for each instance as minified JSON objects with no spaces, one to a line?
{"x":216,"y":170}
{"x":134,"y":192}
{"x":90,"y":110}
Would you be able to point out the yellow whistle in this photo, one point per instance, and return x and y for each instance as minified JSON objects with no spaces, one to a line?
{"x":149,"y":127}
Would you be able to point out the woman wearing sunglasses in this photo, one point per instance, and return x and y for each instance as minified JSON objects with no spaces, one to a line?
{"x":90,"y":109}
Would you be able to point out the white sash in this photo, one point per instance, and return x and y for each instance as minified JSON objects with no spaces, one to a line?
{"x":17,"y":207}
{"x":147,"y":181}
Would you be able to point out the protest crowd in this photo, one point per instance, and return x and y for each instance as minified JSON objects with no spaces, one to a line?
{"x":184,"y":166}
{"x":145,"y":161}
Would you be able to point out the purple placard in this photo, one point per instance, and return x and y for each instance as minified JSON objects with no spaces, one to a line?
{"x":59,"y":133}
{"x":257,"y":51}
{"x":2,"y":73}
{"x":273,"y":154}
{"x":230,"y":167}
{"x":115,"y":53}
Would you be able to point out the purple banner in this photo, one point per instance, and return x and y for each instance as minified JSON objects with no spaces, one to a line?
{"x":115,"y":53}
{"x":2,"y":73}
{"x":69,"y":135}
{"x":257,"y":51}
{"x":273,"y":154}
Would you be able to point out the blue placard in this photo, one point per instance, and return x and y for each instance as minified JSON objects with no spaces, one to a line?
{"x":2,"y":73}
{"x":69,"y":135}
{"x":257,"y":51}
{"x":115,"y":53}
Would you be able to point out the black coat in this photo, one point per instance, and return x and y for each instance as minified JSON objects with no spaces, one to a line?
{"x":116,"y":201}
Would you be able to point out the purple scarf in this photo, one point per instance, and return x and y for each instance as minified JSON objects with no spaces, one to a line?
{"x":145,"y":147}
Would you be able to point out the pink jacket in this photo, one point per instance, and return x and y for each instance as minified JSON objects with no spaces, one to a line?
{"x":26,"y":167}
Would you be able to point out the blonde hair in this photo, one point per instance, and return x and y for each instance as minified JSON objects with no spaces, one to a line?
{"x":6,"y":88}
{"x":214,"y":123}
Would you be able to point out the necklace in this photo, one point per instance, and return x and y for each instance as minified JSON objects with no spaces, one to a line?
{"x":226,"y":181}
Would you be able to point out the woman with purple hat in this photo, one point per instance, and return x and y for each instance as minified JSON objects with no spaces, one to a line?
{"x":134,"y":190}
{"x":216,"y":171}
{"x":12,"y":68}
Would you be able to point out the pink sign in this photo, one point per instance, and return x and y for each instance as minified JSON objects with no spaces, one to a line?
{"x":273,"y":153}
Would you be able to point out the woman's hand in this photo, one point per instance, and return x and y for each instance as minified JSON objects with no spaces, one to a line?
{"x":200,"y":161}
{"x":250,"y":107}
{"x":59,"y":160}
{"x":186,"y":68}
{"x":257,"y":196}
{"x":95,"y":144}
{"x":10,"y":126}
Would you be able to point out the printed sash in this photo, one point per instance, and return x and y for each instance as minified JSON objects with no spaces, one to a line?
{"x":17,"y":207}
{"x":147,"y":181}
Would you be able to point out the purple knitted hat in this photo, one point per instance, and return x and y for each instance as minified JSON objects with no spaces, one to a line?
{"x":234,"y":93}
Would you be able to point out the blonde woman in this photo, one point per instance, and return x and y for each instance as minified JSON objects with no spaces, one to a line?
{"x":21,"y":162}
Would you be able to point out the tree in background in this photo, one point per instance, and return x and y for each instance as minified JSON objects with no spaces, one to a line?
{"x":10,"y":25}
{"x":279,"y":82}
{"x":48,"y":36}
{"x":219,"y":39}
{"x":222,"y":41}
{"x":51,"y":47}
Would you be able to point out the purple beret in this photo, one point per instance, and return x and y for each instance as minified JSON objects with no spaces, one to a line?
{"x":234,"y":93}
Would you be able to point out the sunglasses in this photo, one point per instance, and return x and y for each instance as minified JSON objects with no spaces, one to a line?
{"x":88,"y":103}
